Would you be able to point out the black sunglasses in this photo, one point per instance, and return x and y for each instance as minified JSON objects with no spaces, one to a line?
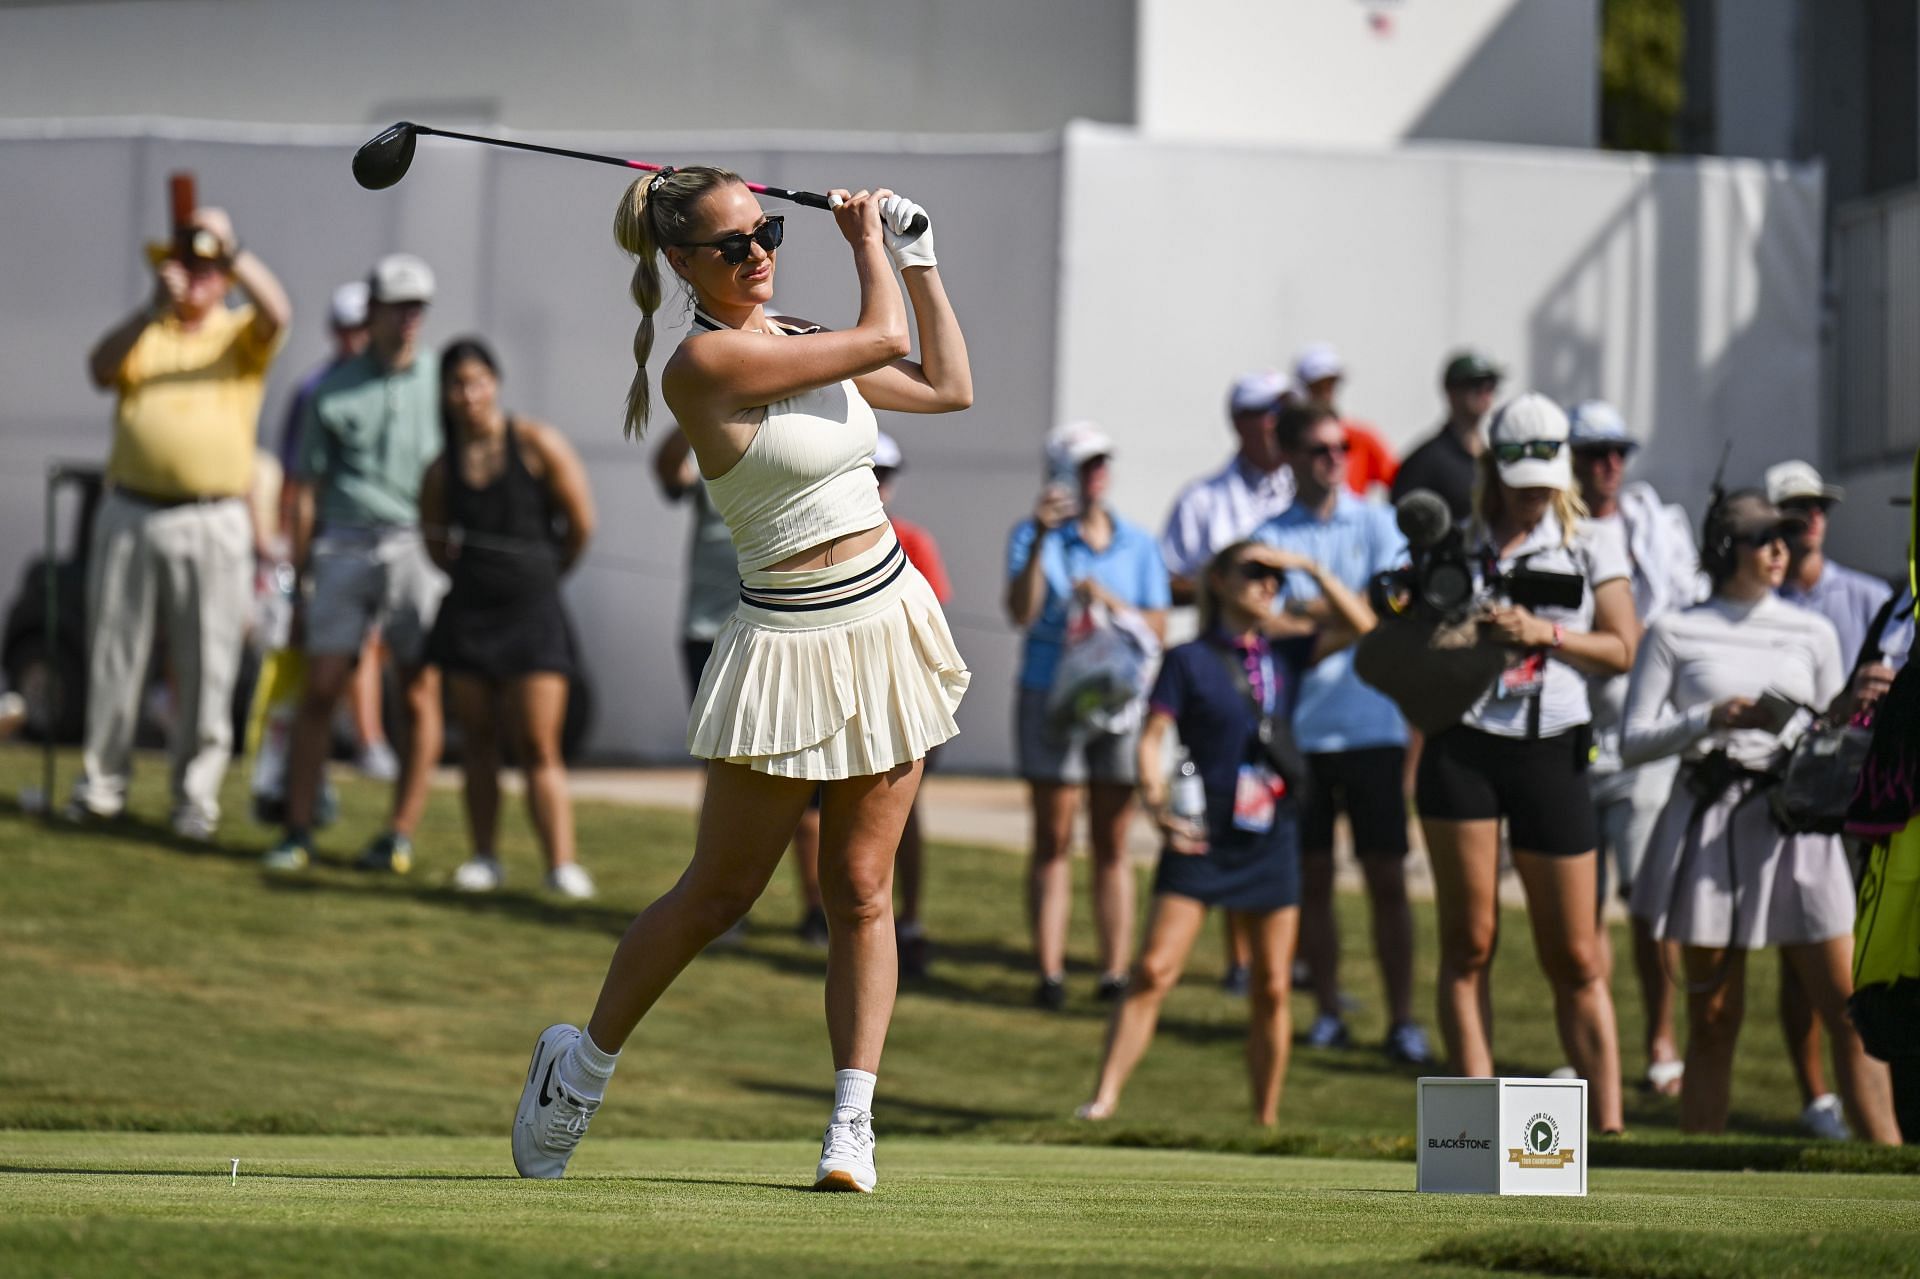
{"x":1327,"y":450}
{"x":1256,"y":572}
{"x":1601,"y":450}
{"x":734,"y":248}
{"x":1806,"y":505}
{"x":1538,"y":450}
{"x":1765,"y":537}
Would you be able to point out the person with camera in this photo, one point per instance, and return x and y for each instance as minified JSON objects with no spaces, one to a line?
{"x":173,"y":540}
{"x":1520,"y":751}
{"x":1074,"y":548}
{"x":1354,"y":737}
{"x":1627,"y":801}
{"x":1721,"y":684}
{"x":1234,"y":844}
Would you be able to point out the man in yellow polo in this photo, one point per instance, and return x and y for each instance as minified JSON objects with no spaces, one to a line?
{"x":173,"y":541}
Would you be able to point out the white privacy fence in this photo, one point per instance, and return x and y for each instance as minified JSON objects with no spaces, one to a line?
{"x":1876,"y":333}
{"x":1096,"y":274}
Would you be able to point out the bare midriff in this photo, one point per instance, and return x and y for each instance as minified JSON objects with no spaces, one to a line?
{"x":834,"y":551}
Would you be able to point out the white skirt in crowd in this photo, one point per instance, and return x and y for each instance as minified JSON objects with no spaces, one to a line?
{"x":1738,"y":880}
{"x":842,"y":671}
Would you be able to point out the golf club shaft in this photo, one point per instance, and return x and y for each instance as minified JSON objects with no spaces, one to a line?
{"x":809,"y":198}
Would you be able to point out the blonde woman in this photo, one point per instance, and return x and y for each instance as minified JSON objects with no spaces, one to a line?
{"x":837,"y":671}
{"x":1519,"y":755}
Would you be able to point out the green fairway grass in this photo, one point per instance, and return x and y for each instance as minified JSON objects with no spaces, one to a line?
{"x":150,"y":986}
{"x":164,"y":1205}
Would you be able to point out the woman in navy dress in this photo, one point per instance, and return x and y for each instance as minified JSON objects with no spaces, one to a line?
{"x":1217,"y":691}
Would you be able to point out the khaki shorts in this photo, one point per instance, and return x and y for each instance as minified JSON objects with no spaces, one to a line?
{"x":362,"y":578}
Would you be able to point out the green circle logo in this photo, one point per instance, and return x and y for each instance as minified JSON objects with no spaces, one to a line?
{"x":1543,"y":1135}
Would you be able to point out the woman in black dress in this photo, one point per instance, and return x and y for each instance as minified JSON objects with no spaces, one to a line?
{"x":1217,"y":691}
{"x":507,"y":512}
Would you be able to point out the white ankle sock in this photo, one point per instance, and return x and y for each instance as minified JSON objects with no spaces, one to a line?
{"x":587,"y":1067}
{"x":852,"y":1090}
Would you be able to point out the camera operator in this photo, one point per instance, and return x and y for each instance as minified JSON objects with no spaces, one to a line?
{"x":1519,"y":753}
{"x":1717,"y":684}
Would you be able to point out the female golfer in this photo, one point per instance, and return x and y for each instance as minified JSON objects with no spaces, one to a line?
{"x":508,"y":512}
{"x":1519,"y":753}
{"x":836,"y":672}
{"x":1714,"y":684}
{"x":1226,"y":692}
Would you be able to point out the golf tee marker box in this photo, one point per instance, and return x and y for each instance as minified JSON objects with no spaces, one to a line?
{"x":1502,"y":1136}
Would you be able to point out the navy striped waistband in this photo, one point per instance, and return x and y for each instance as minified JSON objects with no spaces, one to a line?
{"x":849,"y":590}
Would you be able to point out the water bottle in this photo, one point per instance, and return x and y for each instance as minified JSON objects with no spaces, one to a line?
{"x":1187,"y":797}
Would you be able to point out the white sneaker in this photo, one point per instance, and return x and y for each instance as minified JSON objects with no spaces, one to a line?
{"x":378,"y":763}
{"x":479,"y":875}
{"x":571,"y":880}
{"x":846,"y":1155}
{"x":551,"y":1119}
{"x":1826,"y":1119}
{"x":193,"y":827}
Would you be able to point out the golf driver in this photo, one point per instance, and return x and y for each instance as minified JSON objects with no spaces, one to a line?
{"x":384,"y":160}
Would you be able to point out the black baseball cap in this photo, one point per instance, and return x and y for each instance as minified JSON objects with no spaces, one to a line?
{"x":1470,"y":366}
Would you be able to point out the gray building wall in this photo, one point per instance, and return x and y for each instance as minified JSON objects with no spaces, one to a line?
{"x":629,"y":65}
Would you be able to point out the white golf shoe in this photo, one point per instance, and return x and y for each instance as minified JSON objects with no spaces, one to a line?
{"x":846,"y":1154}
{"x":552,"y":1118}
{"x":479,"y":875}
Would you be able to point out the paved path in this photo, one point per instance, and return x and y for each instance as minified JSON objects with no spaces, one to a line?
{"x":987,"y":811}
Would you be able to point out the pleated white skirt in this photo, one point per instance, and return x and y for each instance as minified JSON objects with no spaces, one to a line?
{"x":843,"y":671}
{"x":1739,"y":881}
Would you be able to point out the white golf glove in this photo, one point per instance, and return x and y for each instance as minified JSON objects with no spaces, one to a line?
{"x":898,"y":214}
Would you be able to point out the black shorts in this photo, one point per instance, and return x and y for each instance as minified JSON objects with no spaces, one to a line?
{"x":1369,"y":786}
{"x":1538,"y":785}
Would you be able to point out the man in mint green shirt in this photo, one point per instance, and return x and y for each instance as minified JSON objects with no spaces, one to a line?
{"x":369,"y":431}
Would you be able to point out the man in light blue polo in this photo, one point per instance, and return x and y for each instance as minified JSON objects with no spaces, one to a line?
{"x":1353,"y":736}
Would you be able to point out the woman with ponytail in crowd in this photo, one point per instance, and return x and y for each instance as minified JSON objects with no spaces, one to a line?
{"x":838,"y":670}
{"x":1231,"y":696}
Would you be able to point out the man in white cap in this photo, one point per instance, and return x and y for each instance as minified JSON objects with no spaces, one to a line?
{"x":1850,"y":600}
{"x":347,"y":325}
{"x":1219,"y":509}
{"x":1628,"y":801}
{"x":1318,"y":371}
{"x":366,"y":438}
{"x":1847,"y":598}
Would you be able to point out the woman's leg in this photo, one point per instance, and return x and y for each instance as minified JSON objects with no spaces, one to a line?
{"x":746,"y":819}
{"x":1716,"y":1003}
{"x":1800,"y":1025}
{"x":1825,"y":969}
{"x":474,"y":710}
{"x":1171,"y":927}
{"x":1563,"y":907}
{"x":1111,"y":808}
{"x":1273,"y":935}
{"x":1466,"y":876}
{"x":1049,"y":878}
{"x":860,"y":823}
{"x":1656,"y":996}
{"x":538,"y":707}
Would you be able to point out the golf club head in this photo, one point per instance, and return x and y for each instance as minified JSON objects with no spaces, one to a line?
{"x":383,"y":160}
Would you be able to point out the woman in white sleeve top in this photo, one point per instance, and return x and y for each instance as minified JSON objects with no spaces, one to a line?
{"x":1710,"y":684}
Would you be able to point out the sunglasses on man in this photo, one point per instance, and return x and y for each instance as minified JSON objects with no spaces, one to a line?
{"x":734,"y":248}
{"x":1806,"y":505}
{"x":1534,"y":450}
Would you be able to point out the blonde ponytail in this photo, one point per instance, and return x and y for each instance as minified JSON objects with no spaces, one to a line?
{"x":655,"y":212}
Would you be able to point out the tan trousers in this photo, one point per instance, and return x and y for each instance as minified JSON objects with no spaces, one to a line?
{"x":190,"y":568}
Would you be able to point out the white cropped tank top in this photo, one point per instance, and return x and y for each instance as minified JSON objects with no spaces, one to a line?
{"x":807,"y":474}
